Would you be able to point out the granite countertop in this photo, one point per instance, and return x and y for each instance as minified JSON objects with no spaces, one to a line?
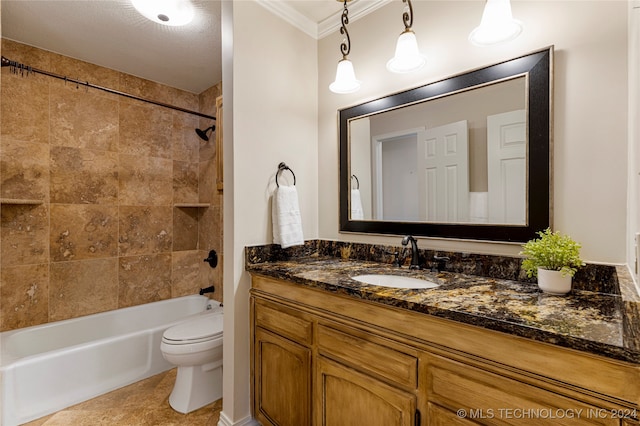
{"x":593,"y":322}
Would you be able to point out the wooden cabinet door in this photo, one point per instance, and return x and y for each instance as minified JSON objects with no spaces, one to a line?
{"x":282,"y":381}
{"x":345,"y":397}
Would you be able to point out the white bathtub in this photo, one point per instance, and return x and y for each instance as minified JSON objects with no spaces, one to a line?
{"x":48,"y":367}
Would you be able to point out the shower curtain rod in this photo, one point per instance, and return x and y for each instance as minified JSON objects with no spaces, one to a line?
{"x":18,"y":67}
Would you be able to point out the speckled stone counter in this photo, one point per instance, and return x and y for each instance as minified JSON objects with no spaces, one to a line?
{"x":602,"y":323}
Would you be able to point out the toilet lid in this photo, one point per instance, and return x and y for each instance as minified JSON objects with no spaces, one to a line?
{"x":203,"y":327}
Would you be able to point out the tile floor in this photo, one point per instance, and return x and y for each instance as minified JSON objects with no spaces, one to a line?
{"x":145,"y":403}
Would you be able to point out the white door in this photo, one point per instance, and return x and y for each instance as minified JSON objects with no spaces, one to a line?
{"x":507,"y":167}
{"x":443,"y":163}
{"x":399,"y":181}
{"x":394,"y":176}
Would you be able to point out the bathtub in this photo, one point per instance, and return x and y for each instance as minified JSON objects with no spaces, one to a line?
{"x":48,"y":367}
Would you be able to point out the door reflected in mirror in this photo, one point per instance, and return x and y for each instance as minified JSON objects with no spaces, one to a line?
{"x":456,"y":159}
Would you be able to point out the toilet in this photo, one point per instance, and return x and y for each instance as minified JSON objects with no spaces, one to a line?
{"x":195,"y":347}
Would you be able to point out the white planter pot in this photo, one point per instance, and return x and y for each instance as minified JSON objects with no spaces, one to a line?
{"x":553,"y":282}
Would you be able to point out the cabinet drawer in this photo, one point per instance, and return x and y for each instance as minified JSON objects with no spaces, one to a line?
{"x":369,"y":356}
{"x":438,"y":416}
{"x":285,"y":322}
{"x":489,"y":398}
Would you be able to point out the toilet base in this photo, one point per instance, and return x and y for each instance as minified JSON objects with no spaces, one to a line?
{"x":196,"y":386}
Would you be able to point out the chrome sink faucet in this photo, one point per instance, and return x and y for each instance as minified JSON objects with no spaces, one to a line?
{"x":415,"y":258}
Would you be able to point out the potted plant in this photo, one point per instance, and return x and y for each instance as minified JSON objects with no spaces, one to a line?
{"x":554,"y":259}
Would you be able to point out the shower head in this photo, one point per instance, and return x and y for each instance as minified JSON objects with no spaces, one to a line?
{"x":203,"y":133}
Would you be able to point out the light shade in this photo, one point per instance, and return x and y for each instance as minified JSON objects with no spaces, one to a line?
{"x":497,"y":24}
{"x":166,"y":12}
{"x":345,"y":78}
{"x":407,"y":57}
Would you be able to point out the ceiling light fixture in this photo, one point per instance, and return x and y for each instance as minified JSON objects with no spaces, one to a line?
{"x":407,"y":57}
{"x":166,"y":12}
{"x":345,"y":81}
{"x":497,"y":24}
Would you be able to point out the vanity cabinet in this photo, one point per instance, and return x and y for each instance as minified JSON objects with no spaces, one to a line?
{"x":323,"y":359}
{"x":350,"y":397}
{"x":458,"y":390}
{"x":282,"y":367}
{"x":363,"y":379}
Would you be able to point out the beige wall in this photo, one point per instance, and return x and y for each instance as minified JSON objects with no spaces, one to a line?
{"x":590,"y":117}
{"x":273,"y":118}
{"x":633,"y":213}
{"x":108,"y":171}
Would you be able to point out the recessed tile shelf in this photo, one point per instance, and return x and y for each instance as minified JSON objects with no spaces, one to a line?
{"x":20,"y":201}
{"x":193,"y":205}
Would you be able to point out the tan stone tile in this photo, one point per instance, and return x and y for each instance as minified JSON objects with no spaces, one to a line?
{"x":145,"y":230}
{"x":85,"y":71}
{"x":24,"y":108}
{"x":210,"y":229}
{"x":185,"y":182}
{"x":83,"y":231}
{"x":144,"y":403}
{"x":24,"y":296}
{"x":145,"y":130}
{"x":83,"y":176}
{"x":39,"y":422}
{"x":83,"y":119}
{"x":142,"y":88}
{"x":82,"y":288}
{"x":207,"y":150}
{"x":87,"y":418}
{"x":145,"y":181}
{"x":184,"y":99}
{"x":129,"y":398}
{"x":185,"y":272}
{"x":27,"y":55}
{"x":186,"y":142}
{"x":212,"y":276}
{"x":144,"y":279}
{"x":24,"y":232}
{"x":185,"y":228}
{"x":24,"y":170}
{"x":207,"y":191}
{"x":207,"y":99}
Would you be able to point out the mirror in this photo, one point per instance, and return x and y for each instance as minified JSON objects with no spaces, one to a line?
{"x":466,"y":157}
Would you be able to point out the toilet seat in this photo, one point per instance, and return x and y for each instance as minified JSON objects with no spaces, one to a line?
{"x":204,"y":328}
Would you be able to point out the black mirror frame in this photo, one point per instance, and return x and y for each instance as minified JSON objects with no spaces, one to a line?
{"x":537,"y":66}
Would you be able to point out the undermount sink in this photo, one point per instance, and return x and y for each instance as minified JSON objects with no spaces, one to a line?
{"x":395,"y":281}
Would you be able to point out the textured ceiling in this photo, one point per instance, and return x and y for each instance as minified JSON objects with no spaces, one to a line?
{"x":113,"y":34}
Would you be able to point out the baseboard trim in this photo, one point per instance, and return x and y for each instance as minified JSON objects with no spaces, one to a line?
{"x":247,"y":421}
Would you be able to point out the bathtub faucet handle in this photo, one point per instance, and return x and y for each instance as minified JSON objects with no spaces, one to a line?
{"x":212,"y":259}
{"x":207,"y":290}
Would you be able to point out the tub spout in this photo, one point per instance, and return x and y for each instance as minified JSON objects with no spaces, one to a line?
{"x":207,"y":290}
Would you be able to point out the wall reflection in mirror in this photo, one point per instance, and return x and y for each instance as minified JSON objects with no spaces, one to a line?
{"x":460,"y":158}
{"x":465,"y":157}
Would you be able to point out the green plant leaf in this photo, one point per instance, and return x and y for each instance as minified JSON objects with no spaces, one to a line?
{"x":552,"y":251}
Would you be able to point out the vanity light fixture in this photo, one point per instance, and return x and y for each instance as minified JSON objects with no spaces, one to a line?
{"x":345,"y":81}
{"x":407,"y":57}
{"x":497,"y":24}
{"x":173,"y":13}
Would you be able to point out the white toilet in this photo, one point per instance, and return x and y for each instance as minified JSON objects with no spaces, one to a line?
{"x":195,"y":347}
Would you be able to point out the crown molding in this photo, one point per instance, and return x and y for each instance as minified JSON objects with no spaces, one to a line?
{"x":357,"y":10}
{"x":291,"y":15}
{"x":321,"y":29}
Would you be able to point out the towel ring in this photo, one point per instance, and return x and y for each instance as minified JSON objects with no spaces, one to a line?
{"x":357,"y":181}
{"x":282,"y":166}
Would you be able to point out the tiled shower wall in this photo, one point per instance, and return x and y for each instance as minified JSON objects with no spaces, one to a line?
{"x":109,"y":171}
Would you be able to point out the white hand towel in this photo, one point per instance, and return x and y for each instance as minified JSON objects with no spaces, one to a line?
{"x":357,"y":213}
{"x":286,"y":219}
